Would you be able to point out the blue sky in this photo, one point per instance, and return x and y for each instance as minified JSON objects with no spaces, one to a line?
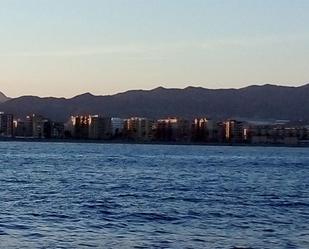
{"x":66,"y":47}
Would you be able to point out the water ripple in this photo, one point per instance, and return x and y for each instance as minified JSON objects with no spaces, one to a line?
{"x":56,"y":195}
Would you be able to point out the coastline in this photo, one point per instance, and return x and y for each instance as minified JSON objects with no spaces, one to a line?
{"x":91,"y":141}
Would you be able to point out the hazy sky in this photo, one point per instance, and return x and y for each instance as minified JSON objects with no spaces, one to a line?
{"x":67,"y":47}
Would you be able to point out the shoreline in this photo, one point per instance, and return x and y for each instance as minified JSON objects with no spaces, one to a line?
{"x":91,"y":141}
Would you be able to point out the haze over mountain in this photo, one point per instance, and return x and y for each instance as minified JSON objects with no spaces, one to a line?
{"x":254,"y":102}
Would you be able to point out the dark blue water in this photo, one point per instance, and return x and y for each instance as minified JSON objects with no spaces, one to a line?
{"x":152,"y":196}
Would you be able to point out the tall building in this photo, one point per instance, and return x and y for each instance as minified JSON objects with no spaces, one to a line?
{"x":23,"y":128}
{"x":40,"y":126}
{"x":172,"y":129}
{"x":117,"y":126}
{"x":100,"y":127}
{"x":234,"y":131}
{"x":80,"y":127}
{"x":138,"y":128}
{"x":91,"y":127}
{"x":204,"y":130}
{"x":34,"y":125}
{"x":6,"y":125}
{"x":53,"y":129}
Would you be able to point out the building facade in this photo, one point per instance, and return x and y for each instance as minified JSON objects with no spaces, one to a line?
{"x":6,"y":125}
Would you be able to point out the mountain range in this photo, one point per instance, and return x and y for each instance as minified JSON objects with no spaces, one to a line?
{"x":252,"y":102}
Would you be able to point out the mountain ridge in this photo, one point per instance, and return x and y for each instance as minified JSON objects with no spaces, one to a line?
{"x":266,"y":101}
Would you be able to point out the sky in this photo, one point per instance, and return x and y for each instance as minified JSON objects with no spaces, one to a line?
{"x":64,"y":48}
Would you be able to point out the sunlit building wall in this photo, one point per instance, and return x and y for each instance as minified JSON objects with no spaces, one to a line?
{"x":80,"y":126}
{"x":234,"y":131}
{"x":203,"y":130}
{"x":137,"y":128}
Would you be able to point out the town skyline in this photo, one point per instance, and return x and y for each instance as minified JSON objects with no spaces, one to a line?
{"x":200,"y":130}
{"x":253,"y":102}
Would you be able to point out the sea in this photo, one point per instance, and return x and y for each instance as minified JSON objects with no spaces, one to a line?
{"x":86,"y":195}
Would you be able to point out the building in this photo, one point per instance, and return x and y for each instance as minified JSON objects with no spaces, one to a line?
{"x":6,"y":125}
{"x":35,"y":126}
{"x":54,"y":130}
{"x":136,"y":128}
{"x":234,"y":131}
{"x":99,"y":127}
{"x":172,"y":129}
{"x":40,"y":126}
{"x":90,"y":127}
{"x":79,"y":127}
{"x":117,"y":127}
{"x":204,"y":130}
{"x":279,"y":134}
{"x":23,"y":128}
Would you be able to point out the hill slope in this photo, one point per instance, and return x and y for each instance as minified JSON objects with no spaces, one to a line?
{"x":3,"y":98}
